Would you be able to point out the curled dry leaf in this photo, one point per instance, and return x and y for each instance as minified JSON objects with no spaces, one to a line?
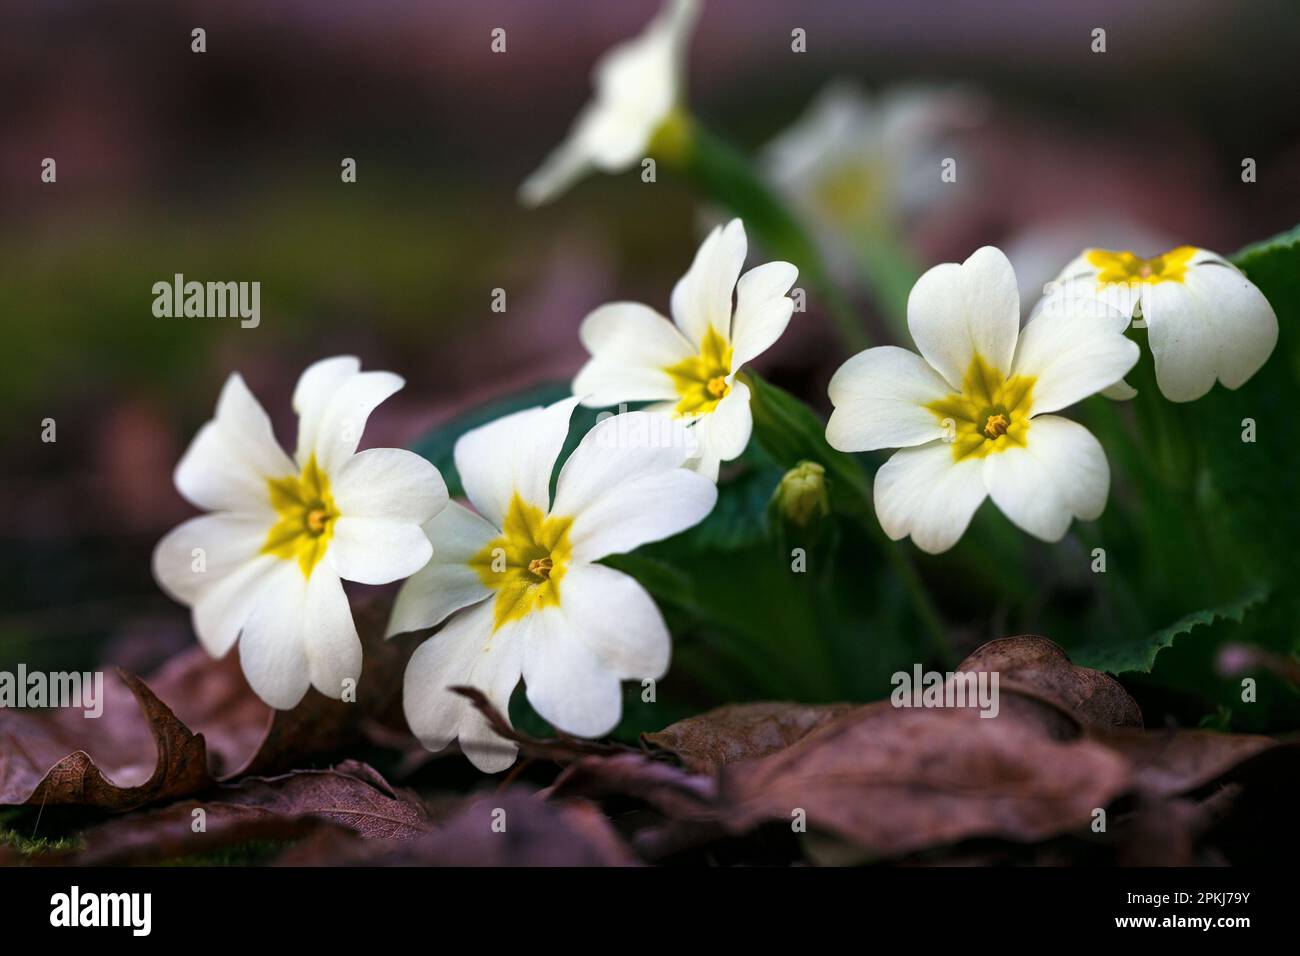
{"x":1033,"y":666}
{"x":246,"y":736}
{"x":509,"y":828}
{"x":136,"y":752}
{"x":213,"y":727}
{"x":351,"y":798}
{"x":740,"y":731}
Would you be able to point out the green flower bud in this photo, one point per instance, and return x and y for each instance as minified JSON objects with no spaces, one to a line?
{"x":800,"y":498}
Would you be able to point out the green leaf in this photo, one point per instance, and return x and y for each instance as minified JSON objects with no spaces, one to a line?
{"x":1141,"y":656}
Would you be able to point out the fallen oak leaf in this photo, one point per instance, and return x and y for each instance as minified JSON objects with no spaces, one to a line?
{"x":45,"y":757}
{"x":735,"y":732}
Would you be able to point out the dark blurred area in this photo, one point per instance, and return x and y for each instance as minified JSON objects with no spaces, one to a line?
{"x":225,"y":165}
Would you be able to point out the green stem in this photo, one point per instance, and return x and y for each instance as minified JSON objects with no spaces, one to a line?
{"x":890,"y":269}
{"x":790,"y":432}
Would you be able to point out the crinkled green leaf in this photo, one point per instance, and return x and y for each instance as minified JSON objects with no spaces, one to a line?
{"x":1120,"y":657}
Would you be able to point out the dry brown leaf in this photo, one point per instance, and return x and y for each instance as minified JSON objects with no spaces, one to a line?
{"x":351,"y":797}
{"x":1166,"y":763}
{"x":740,"y":731}
{"x":136,"y":752}
{"x":1033,"y":665}
{"x":510,"y":828}
{"x":894,"y":781}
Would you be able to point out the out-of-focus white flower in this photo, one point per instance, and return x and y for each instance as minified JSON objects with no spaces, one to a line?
{"x":1205,"y":320}
{"x":639,"y":86}
{"x":265,"y":567}
{"x":688,"y":366}
{"x":521,"y":579}
{"x":850,"y":162}
{"x":970,"y":413}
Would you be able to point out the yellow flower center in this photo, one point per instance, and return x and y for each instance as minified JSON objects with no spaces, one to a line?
{"x":989,"y":415}
{"x":1124,"y":268}
{"x":848,"y":193}
{"x":526,"y":564}
{"x":701,"y":380}
{"x":306,"y":517}
{"x":996,"y":426}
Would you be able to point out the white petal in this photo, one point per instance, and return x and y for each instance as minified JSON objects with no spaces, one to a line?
{"x":389,"y":483}
{"x":227,"y":466}
{"x":329,"y":635}
{"x":1121,"y":391}
{"x":377,"y":550}
{"x":725,"y":431}
{"x":563,"y":166}
{"x":1122,"y":297}
{"x":223,"y":543}
{"x":223,"y":609}
{"x":516,"y":453}
{"x":333,"y":401}
{"x":1060,"y":473}
{"x":615,"y":616}
{"x":447,"y":583}
{"x":624,"y":485}
{"x":317,"y":385}
{"x":271,"y":650}
{"x":702,"y":297}
{"x":956,"y":312}
{"x":465,"y":652}
{"x":637,"y":84}
{"x":1073,"y":348}
{"x":879,"y":397}
{"x":705,"y":463}
{"x":762,"y":310}
{"x":630,"y":346}
{"x":567,"y":683}
{"x":924,"y":493}
{"x":1215,"y":324}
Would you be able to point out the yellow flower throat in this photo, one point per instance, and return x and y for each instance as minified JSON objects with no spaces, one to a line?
{"x":1124,"y":268}
{"x":526,"y":564}
{"x":701,"y":380}
{"x":989,"y":415}
{"x":306,"y":517}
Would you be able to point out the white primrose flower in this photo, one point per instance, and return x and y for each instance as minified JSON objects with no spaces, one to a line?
{"x":688,"y":366}
{"x":970,"y":413}
{"x":639,"y":86}
{"x":521,"y":581}
{"x":264,"y":567}
{"x":852,"y":160}
{"x":1204,"y":318}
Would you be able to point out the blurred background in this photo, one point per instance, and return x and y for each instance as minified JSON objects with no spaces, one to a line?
{"x":225,"y":165}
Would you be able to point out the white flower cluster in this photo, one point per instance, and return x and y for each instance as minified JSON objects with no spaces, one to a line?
{"x":515,"y":583}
